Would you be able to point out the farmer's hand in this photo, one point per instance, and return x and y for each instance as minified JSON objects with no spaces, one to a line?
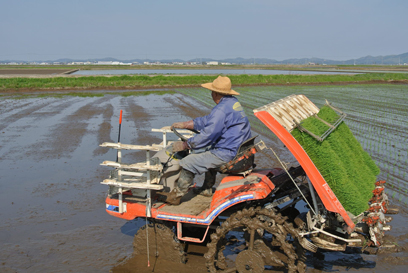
{"x":179,"y":146}
{"x":179,"y":125}
{"x":183,"y":125}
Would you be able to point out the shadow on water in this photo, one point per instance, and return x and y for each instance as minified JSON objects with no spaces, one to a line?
{"x":131,"y":227}
{"x":327,"y":260}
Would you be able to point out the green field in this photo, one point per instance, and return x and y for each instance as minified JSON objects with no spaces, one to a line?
{"x":164,"y":81}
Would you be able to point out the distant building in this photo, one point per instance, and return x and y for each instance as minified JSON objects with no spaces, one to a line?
{"x":104,"y":63}
{"x":212,"y":63}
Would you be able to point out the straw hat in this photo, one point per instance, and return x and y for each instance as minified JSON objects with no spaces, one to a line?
{"x":221,"y":85}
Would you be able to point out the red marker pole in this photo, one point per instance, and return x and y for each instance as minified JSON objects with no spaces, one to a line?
{"x":120,"y":125}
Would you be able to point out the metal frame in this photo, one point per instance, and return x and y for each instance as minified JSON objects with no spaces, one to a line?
{"x":189,"y":239}
{"x":332,"y":126}
{"x":144,"y":169}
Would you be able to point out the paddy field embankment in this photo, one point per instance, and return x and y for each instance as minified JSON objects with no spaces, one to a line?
{"x":39,"y":81}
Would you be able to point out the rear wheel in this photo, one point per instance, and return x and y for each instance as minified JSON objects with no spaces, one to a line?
{"x":158,"y":241}
{"x":270,"y":240}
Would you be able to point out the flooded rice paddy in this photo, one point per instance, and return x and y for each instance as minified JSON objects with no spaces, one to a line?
{"x":53,"y":215}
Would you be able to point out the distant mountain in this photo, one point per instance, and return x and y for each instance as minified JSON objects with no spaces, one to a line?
{"x":389,"y":59}
{"x":385,"y":60}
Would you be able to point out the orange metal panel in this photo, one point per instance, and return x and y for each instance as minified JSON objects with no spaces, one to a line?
{"x":222,"y":200}
{"x":325,"y":193}
{"x":132,"y":209}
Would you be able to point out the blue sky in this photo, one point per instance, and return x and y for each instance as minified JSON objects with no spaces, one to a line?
{"x":163,"y":29}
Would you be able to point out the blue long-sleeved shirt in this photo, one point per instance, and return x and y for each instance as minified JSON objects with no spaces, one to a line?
{"x":225,"y":128}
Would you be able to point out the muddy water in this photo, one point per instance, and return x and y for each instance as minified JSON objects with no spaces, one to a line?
{"x":53,"y":217}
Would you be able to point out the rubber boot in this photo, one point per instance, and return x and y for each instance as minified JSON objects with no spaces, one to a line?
{"x":183,"y":183}
{"x":209,"y":181}
{"x":172,"y":198}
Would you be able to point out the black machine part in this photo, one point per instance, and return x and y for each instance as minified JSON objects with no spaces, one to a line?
{"x":280,"y":180}
{"x":183,"y":138}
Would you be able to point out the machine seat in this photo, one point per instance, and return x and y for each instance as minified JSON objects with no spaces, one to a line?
{"x":244,"y":159}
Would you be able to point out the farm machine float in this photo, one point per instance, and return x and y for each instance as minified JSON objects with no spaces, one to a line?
{"x":258,"y":203}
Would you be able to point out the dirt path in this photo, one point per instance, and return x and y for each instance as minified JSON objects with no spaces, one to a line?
{"x":34,"y":72}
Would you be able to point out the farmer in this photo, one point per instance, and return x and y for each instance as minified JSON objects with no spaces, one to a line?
{"x":221,"y":134}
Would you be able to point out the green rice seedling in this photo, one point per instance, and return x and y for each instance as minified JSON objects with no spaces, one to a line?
{"x":347,"y":168}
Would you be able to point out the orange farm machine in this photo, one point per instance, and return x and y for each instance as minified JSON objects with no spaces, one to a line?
{"x":263,"y":205}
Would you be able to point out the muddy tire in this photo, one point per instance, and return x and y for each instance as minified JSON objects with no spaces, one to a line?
{"x":270,"y":238}
{"x":163,"y":244}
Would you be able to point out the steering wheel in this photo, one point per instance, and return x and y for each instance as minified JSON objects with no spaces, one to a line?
{"x":183,"y":138}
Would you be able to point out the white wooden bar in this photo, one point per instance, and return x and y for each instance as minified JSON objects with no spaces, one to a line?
{"x":148,"y":193}
{"x":160,"y":145}
{"x":188,"y":135}
{"x":136,"y":166}
{"x":136,"y":174}
{"x":129,"y":146}
{"x":166,"y":129}
{"x":120,"y":200}
{"x":137,"y":185}
{"x":154,"y":180}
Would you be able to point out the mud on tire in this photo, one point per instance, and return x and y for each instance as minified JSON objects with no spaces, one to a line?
{"x":271,"y":240}
{"x":162,"y":242}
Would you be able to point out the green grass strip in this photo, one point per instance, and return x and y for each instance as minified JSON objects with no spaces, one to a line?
{"x":144,"y":81}
{"x":347,"y":168}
